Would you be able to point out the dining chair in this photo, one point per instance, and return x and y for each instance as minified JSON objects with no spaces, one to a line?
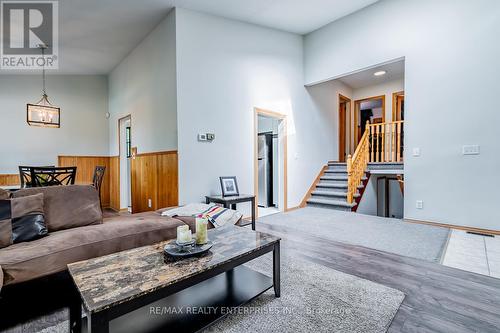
{"x":98,"y":177}
{"x":52,"y":176}
{"x":25,"y":174}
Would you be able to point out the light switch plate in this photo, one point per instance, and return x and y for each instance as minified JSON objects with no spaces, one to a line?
{"x":470,"y":150}
{"x":416,"y":152}
{"x":419,"y":204}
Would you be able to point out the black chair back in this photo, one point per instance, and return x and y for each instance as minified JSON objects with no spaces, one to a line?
{"x":43,"y":176}
{"x":98,"y":177}
{"x":25,"y":176}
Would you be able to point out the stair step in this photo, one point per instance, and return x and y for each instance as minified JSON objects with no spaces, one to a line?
{"x":331,"y":202}
{"x":336,"y":171}
{"x":339,"y":177}
{"x":326,"y":193}
{"x":386,"y":166}
{"x":335,"y":185}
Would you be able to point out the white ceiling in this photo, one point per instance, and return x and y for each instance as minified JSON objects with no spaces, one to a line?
{"x":298,"y":16}
{"x":365,"y":78}
{"x":95,"y":35}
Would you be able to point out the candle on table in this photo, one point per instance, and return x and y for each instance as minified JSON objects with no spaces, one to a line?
{"x":201,"y":230}
{"x":183,"y":234}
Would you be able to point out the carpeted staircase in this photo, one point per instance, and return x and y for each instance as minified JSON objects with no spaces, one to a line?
{"x":331,"y":190}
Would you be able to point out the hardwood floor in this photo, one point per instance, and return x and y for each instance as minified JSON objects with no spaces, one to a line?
{"x":438,"y":298}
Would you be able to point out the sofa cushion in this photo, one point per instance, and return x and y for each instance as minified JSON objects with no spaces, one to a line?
{"x":67,"y":206}
{"x":28,"y":221}
{"x":30,"y":260}
{"x":4,"y":194}
{"x":5,"y":224}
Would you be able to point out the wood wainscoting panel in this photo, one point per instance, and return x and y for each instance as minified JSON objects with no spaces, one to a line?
{"x":85,"y":171}
{"x":114,"y":183}
{"x":168,"y":180}
{"x":154,"y":180}
{"x":9,"y":179}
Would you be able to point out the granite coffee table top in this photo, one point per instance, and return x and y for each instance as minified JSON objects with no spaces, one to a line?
{"x":120,"y":277}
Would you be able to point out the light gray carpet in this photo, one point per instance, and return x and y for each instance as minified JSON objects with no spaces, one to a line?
{"x":385,"y":234}
{"x":315,"y":298}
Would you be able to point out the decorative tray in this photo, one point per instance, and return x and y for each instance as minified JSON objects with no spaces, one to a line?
{"x":172,"y":251}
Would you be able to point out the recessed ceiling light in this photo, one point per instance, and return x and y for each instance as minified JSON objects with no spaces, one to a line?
{"x":379,"y":73}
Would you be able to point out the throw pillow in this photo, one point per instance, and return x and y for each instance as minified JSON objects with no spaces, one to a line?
{"x":26,"y":218}
{"x":5,"y":224}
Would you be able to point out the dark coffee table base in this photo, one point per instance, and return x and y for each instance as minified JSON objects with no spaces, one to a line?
{"x":211,"y":299}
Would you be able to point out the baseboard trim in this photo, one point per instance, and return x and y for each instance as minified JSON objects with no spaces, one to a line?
{"x":453,"y":226}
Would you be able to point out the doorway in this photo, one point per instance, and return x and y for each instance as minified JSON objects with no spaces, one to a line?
{"x":125,"y":152}
{"x":390,"y":200}
{"x":398,"y":106}
{"x":398,"y":114}
{"x":270,"y":165}
{"x":371,"y":109}
{"x":344,"y":121}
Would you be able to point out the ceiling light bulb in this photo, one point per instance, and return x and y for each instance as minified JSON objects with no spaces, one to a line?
{"x":379,"y":73}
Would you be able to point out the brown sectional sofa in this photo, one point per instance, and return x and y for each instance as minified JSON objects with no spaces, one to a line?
{"x":77,"y":231}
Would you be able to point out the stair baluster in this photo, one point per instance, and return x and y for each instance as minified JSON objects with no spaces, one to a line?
{"x":356,"y":164}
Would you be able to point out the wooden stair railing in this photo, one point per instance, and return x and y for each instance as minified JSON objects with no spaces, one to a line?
{"x":356,"y":164}
{"x":380,"y":143}
{"x":386,"y":142}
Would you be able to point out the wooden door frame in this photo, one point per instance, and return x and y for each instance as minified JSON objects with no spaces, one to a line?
{"x":119,"y":165}
{"x":283,"y":118}
{"x":357,"y":110}
{"x":395,"y":103}
{"x":347,"y":138}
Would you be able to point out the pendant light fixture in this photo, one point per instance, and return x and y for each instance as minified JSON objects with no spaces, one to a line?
{"x":43,"y":113}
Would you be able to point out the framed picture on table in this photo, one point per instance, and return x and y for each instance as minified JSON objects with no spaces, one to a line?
{"x":229,"y":186}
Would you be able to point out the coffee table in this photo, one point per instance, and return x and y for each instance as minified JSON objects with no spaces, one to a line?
{"x":136,"y":291}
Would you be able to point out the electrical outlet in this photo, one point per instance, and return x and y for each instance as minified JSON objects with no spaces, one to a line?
{"x":470,"y":150}
{"x":420,"y":204}
{"x":202,"y":137}
{"x":210,"y":136}
{"x":150,"y":203}
{"x":416,"y":152}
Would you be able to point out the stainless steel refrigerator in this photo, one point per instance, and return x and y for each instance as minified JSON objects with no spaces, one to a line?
{"x":265,"y":164}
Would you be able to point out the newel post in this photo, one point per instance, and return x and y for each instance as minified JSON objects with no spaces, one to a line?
{"x":349,"y":181}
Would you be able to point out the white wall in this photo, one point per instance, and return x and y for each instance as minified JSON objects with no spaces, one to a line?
{"x":84,"y":128}
{"x":451,"y":55}
{"x":368,"y":203}
{"x":226,"y":68}
{"x":143,"y":85}
{"x":386,"y":89}
{"x":325,"y":97}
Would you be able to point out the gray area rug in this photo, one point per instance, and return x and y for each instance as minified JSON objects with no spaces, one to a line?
{"x":386,"y":234}
{"x":315,"y":298}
